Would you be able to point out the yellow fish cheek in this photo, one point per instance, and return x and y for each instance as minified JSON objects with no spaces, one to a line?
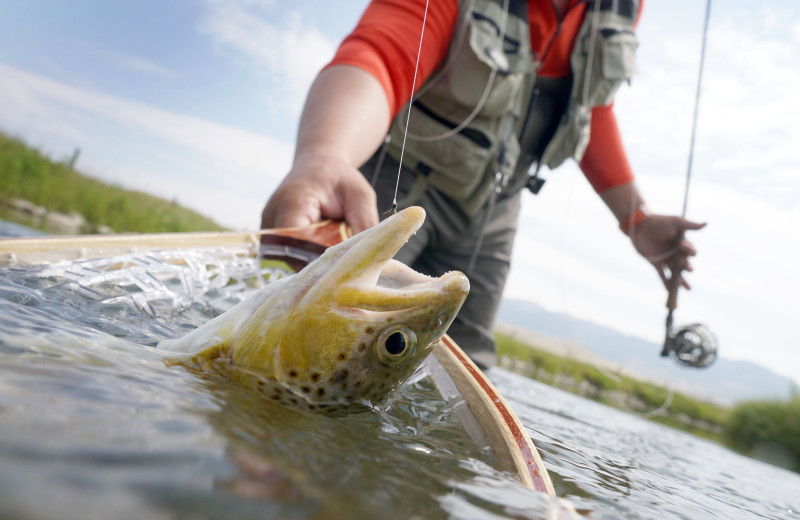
{"x":319,"y":344}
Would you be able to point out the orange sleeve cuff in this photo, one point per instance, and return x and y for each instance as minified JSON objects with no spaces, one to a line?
{"x":605,"y":163}
{"x":632,"y":221}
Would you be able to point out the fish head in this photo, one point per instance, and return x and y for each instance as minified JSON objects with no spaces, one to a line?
{"x":361,"y":323}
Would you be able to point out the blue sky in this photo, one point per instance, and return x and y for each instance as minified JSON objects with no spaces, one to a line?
{"x":198,"y":101}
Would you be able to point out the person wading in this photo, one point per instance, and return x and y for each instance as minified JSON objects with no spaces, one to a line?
{"x":503,"y":88}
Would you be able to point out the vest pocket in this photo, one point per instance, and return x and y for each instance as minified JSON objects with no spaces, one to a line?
{"x":468,"y":73}
{"x":454,"y":165}
{"x":614,"y":63}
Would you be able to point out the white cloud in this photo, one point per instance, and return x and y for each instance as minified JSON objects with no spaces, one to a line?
{"x":747,"y":126}
{"x":136,"y":64}
{"x":283,"y":45}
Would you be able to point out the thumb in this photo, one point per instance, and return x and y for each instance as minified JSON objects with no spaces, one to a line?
{"x":360,"y":209}
{"x":692,"y":226}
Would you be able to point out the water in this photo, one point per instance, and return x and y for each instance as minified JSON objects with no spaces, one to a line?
{"x":10,"y":229}
{"x":611,"y":464}
{"x":94,"y":425}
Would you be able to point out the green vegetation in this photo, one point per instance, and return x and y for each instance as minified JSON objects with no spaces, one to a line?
{"x":767,"y":428}
{"x":701,"y":418}
{"x":27,"y":174}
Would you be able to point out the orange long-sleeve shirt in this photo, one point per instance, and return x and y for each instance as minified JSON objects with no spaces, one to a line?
{"x":386,"y":40}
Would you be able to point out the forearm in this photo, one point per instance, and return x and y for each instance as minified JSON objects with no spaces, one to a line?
{"x":623,"y":200}
{"x":346,"y":116}
{"x":606,"y":167}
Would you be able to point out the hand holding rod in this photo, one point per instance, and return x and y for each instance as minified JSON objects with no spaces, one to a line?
{"x":672,"y":298}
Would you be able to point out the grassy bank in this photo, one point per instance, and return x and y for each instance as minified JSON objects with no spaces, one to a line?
{"x":767,"y":430}
{"x":632,"y":395}
{"x":27,"y":174}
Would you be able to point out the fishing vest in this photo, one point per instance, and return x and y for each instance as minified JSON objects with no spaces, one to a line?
{"x":465,"y":122}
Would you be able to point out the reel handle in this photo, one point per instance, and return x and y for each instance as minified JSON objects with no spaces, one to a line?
{"x":673,"y":286}
{"x":674,"y":281}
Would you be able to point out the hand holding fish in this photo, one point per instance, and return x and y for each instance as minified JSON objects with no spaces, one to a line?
{"x":319,"y":186}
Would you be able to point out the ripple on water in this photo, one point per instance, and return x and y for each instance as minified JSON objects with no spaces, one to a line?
{"x":95,"y":425}
{"x":612,"y":464}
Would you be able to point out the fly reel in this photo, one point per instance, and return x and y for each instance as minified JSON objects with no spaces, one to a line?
{"x":691,"y":345}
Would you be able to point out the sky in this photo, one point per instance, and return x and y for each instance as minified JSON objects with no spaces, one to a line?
{"x":198,"y":101}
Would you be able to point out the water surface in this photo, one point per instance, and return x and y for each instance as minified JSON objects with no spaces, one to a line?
{"x":94,"y":425}
{"x":612,"y":464}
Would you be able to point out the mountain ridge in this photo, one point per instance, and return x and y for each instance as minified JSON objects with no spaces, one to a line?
{"x":725,"y":382}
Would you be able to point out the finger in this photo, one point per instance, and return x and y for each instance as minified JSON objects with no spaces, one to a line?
{"x":360,"y":209}
{"x":692,"y":226}
{"x":686,"y":249}
{"x":360,"y":217}
{"x":297,"y":214}
{"x":285,"y":210}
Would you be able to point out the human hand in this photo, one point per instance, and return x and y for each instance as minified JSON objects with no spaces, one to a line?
{"x":660,"y":239}
{"x":320,"y":186}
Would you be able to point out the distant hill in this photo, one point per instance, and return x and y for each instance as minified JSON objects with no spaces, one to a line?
{"x":725,"y":382}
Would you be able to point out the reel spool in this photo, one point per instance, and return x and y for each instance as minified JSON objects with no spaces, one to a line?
{"x":692,"y":346}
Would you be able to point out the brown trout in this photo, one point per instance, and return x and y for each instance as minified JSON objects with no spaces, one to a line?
{"x":346,"y":330}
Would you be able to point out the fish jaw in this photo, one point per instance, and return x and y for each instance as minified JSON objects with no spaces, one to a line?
{"x":356,"y":325}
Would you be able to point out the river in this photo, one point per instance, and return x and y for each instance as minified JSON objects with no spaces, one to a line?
{"x":94,"y":425}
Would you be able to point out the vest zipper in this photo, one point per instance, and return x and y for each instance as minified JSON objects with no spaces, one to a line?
{"x":476,"y":136}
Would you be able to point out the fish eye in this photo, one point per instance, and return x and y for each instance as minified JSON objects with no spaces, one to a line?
{"x":396,"y":345}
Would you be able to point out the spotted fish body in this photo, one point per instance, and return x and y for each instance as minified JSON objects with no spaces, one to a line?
{"x":346,"y":330}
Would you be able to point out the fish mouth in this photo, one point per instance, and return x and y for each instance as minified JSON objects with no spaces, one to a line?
{"x":362,"y":276}
{"x":365,"y":275}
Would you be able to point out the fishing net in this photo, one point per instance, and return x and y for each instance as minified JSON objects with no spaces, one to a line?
{"x":142,"y":296}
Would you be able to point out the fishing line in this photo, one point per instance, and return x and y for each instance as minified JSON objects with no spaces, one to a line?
{"x":693,"y":135}
{"x":393,"y":210}
{"x":696,"y":107}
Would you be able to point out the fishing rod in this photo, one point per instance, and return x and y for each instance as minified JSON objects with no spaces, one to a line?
{"x":689,"y":345}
